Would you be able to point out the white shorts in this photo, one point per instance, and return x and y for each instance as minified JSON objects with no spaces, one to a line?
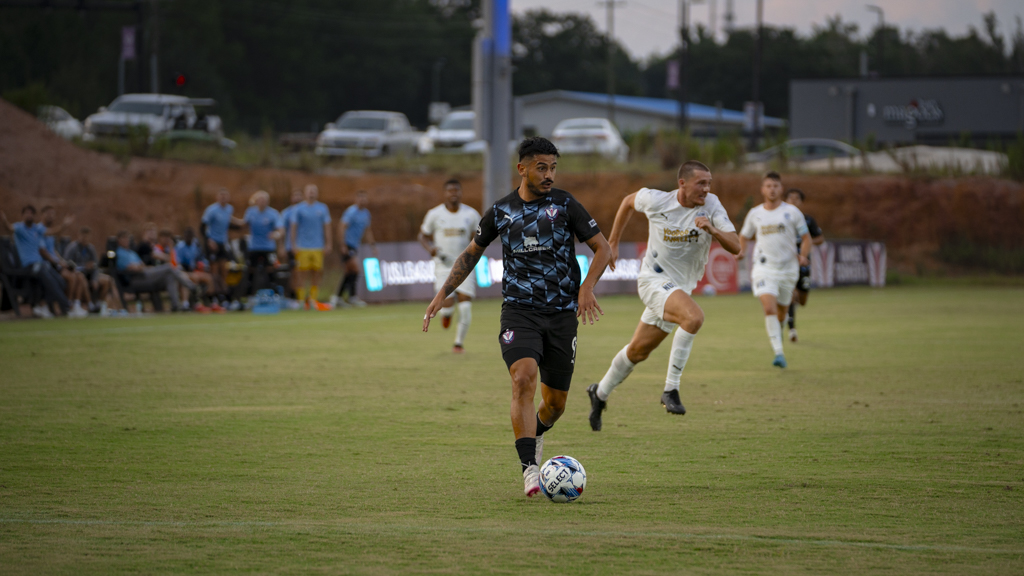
{"x":778,"y":283}
{"x":467,"y":288}
{"x":654,"y":290}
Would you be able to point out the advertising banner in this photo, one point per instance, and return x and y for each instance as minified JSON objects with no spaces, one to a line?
{"x":405,"y":271}
{"x":837,"y":263}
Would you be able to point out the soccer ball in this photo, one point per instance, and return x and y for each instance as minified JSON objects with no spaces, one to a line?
{"x":562,"y":479}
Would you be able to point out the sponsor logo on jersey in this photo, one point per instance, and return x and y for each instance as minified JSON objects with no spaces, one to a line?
{"x":454,"y":232}
{"x":551,"y":212}
{"x":530,"y":244}
{"x":692,"y":235}
{"x":508,"y":336}
{"x":772,"y":229}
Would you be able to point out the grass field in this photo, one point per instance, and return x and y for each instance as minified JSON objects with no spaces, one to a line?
{"x":350,"y":442}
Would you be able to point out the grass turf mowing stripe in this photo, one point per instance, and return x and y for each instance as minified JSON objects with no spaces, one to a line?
{"x":376,"y":528}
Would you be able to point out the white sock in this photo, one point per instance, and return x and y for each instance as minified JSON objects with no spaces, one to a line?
{"x":465,"y":319}
{"x":621,"y":368}
{"x":447,"y":311}
{"x":774,"y":328}
{"x":103,"y":308}
{"x":682,"y":343}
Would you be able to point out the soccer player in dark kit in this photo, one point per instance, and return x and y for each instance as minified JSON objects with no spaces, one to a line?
{"x":542,"y":292}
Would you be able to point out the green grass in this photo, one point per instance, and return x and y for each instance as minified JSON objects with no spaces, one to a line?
{"x":349,"y":442}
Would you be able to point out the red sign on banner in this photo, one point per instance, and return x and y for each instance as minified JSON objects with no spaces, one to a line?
{"x":721,"y":273}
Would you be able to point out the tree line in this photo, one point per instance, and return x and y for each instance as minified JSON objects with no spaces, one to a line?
{"x":279,"y":65}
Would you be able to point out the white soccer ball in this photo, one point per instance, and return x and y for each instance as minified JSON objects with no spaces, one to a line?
{"x":562,"y":479}
{"x":708,"y":290}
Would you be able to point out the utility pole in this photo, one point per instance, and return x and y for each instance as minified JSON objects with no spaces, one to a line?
{"x":881,"y":34}
{"x":756,"y":96}
{"x":611,"y":5}
{"x":730,"y":17}
{"x":684,"y":61}
{"x":492,"y":96}
{"x":154,"y":68}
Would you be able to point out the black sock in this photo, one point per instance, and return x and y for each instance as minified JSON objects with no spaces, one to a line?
{"x":792,"y":315}
{"x":527,"y":448}
{"x":348,"y":284}
{"x":542,"y":427}
{"x":352,"y":285}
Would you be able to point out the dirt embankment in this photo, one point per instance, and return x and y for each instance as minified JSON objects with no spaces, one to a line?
{"x":913,"y":216}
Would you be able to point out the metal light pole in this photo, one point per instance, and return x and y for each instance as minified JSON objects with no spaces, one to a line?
{"x":492,"y":96}
{"x":611,"y":5}
{"x":881,"y":33}
{"x":756,"y":96}
{"x":684,"y":62}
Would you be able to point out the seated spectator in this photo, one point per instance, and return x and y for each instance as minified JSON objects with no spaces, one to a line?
{"x":192,"y":260}
{"x":29,"y":240}
{"x":153,"y":279}
{"x":76,"y":287}
{"x":164,"y":251}
{"x":83,"y":255}
{"x":145,"y":248}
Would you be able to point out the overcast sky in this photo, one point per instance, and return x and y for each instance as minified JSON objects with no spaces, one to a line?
{"x":649,"y":27}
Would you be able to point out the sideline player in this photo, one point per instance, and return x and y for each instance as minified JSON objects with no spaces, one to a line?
{"x":311,"y":239}
{"x":796,"y":197}
{"x":681,"y":227}
{"x":542,"y":293}
{"x":353,"y":226}
{"x":447,"y":230}
{"x":217,"y":218}
{"x":776,"y":268}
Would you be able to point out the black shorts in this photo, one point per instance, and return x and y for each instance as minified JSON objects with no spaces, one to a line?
{"x":547,"y":337}
{"x":352,"y":251}
{"x":221,"y":253}
{"x":804,"y":282}
{"x":259,"y":258}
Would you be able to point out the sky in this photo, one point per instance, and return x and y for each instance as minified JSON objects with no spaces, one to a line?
{"x":649,"y":27}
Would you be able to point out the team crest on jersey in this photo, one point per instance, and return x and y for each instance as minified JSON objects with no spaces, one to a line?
{"x":551,"y":212}
{"x":508,"y":336}
{"x":786,"y":215}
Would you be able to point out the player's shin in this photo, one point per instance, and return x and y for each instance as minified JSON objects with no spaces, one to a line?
{"x":620,"y":368}
{"x":774,"y":329}
{"x":682,"y":343}
{"x":465,"y":319}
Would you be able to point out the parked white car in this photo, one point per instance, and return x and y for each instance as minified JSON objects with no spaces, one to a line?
{"x":368,"y":133}
{"x":453,"y":134}
{"x":159,"y":113}
{"x":60,"y":121}
{"x":590,"y":136}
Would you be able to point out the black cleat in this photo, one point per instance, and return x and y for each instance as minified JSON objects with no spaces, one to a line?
{"x":596,"y":407}
{"x":670,"y":400}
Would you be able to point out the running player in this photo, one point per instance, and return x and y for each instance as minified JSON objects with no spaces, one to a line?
{"x":776,"y":225}
{"x":796,"y":197}
{"x":311,"y":239}
{"x":681,"y":227}
{"x":543,"y":296}
{"x":447,"y":230}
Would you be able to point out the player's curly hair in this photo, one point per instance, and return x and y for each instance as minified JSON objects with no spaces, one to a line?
{"x":798,"y":192}
{"x":452,"y":182}
{"x":536,"y":146}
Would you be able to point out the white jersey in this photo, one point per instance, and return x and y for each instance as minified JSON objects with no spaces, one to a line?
{"x":674,"y":245}
{"x":452,"y":231}
{"x":777,"y":233}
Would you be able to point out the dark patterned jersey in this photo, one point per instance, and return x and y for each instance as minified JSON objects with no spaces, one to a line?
{"x":812,"y":228}
{"x":539,"y":248}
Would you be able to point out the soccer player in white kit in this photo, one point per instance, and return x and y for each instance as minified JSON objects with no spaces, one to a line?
{"x":447,"y":230}
{"x":682,"y":225}
{"x":776,"y":225}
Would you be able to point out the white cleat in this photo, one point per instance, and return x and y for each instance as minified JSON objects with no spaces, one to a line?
{"x":792,"y":334}
{"x":531,"y":480}
{"x":78,"y":312}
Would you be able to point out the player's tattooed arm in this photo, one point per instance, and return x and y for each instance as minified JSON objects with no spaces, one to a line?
{"x":461,"y":270}
{"x":622,"y":217}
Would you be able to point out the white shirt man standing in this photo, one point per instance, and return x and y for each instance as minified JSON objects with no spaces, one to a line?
{"x":682,"y":225}
{"x":776,"y":226}
{"x":447,"y":230}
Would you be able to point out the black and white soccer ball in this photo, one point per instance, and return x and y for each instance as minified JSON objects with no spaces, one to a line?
{"x":562,"y":479}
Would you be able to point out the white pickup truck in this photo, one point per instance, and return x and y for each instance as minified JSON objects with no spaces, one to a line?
{"x":369,"y":133}
{"x":158,"y":113}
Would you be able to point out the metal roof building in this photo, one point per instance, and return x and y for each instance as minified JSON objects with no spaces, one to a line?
{"x":539,"y":113}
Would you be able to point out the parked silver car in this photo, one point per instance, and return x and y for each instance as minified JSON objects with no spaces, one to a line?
{"x":454,"y":133}
{"x":60,"y":121}
{"x":158,"y":113}
{"x":590,"y":136}
{"x":368,"y":133}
